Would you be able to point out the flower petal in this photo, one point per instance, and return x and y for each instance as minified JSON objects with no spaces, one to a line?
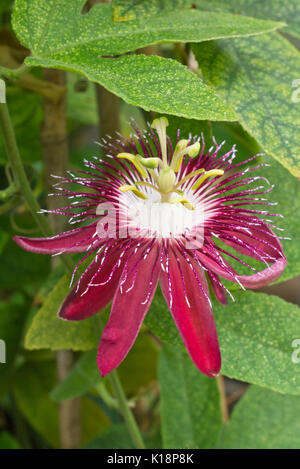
{"x":270,"y":244}
{"x":96,"y":287}
{"x":186,"y":292}
{"x":259,"y":243}
{"x":130,"y":305}
{"x":77,"y":240}
{"x":218,"y":290}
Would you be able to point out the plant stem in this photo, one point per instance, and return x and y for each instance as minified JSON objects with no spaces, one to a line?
{"x":9,"y":191}
{"x":125,"y":410}
{"x":14,"y":73}
{"x":223,"y":400}
{"x":106,"y":396}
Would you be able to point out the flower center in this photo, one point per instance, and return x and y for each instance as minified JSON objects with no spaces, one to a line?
{"x":163,"y":174}
{"x":153,"y":218}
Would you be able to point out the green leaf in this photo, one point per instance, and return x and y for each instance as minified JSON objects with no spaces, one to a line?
{"x":139,"y":368}
{"x":116,"y":436}
{"x":276,"y":10}
{"x":7,"y":441}
{"x":256,"y":334}
{"x":32,"y":386}
{"x":93,"y":418}
{"x":49,"y":31}
{"x":151,"y":82}
{"x":255,"y":77}
{"x":126,"y":10}
{"x":190,"y":403}
{"x":136,"y":371}
{"x":49,"y":331}
{"x":263,"y":419}
{"x":64,"y":38}
{"x":83,"y":377}
{"x":49,"y":284}
{"x":12,"y":321}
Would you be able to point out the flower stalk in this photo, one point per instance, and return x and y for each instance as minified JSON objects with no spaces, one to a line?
{"x":223,"y":399}
{"x":125,"y":410}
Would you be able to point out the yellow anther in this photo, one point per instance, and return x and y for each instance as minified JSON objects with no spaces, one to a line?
{"x":150,"y":163}
{"x":183,"y":201}
{"x":135,"y":159}
{"x":188,"y":205}
{"x":182,"y":149}
{"x":181,"y":145}
{"x":179,"y":191}
{"x":194,"y":150}
{"x":178,"y":154}
{"x":134,"y":189}
{"x":207,"y":174}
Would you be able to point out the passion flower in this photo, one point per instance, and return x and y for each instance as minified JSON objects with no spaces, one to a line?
{"x":153,"y":212}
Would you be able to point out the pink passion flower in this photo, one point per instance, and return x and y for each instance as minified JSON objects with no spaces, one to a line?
{"x":153,"y":212}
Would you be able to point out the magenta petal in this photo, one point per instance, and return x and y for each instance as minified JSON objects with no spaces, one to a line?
{"x":77,"y":240}
{"x":217,"y":288}
{"x":186,"y":292}
{"x":130,"y":305}
{"x":259,"y":279}
{"x":265,"y":277}
{"x":271,"y":273}
{"x":95,"y":289}
{"x":263,"y":241}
